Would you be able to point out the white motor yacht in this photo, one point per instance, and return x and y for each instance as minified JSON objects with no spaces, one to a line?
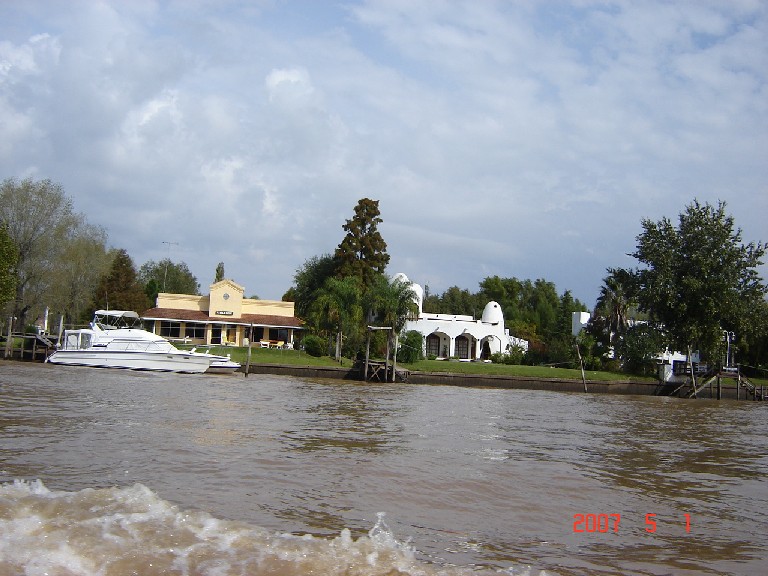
{"x":115,"y":340}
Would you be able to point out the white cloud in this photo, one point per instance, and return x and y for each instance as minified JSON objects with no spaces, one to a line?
{"x":519,"y":139}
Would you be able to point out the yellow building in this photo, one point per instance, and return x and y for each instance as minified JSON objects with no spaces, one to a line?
{"x":223,"y":317}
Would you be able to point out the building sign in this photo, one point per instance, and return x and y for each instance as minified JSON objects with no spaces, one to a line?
{"x":223,"y":313}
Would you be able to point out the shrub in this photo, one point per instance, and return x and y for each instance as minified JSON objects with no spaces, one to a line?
{"x":411,"y":347}
{"x":314,"y":345}
{"x":514,"y":355}
{"x":498,"y":358}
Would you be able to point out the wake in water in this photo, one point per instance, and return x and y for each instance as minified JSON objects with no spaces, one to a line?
{"x":122,"y":531}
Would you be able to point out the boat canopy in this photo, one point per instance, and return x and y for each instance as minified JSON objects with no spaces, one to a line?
{"x":113,"y":319}
{"x":117,"y":313}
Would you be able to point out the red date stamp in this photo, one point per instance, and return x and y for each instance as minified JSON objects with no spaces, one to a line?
{"x":611,"y":522}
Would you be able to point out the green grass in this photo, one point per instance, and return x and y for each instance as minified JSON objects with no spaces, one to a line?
{"x":300,"y":358}
{"x":515,"y":370}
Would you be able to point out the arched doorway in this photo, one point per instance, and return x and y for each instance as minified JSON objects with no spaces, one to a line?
{"x":433,"y":345}
{"x":462,"y":347}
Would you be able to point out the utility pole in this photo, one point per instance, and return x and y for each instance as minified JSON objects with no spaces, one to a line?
{"x":165,"y":274}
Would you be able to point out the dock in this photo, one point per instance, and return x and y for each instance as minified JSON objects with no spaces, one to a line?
{"x":24,"y":346}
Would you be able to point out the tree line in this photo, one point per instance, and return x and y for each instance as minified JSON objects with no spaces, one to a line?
{"x":339,"y":295}
{"x":52,"y":257}
{"x":696,"y":286}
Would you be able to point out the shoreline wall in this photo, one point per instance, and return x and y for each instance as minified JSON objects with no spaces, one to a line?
{"x":642,"y":388}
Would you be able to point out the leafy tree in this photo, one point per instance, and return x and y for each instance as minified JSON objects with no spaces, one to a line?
{"x":309,"y":280}
{"x":219,"y":272}
{"x":40,"y":220}
{"x":8,"y":256}
{"x":700,"y":279}
{"x":84,"y":260}
{"x":363,"y":253}
{"x":754,"y":351}
{"x":120,"y":288}
{"x":639,"y":346}
{"x":460,"y":301}
{"x":166,"y":276}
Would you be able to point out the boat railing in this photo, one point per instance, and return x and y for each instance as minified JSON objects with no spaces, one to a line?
{"x":141,"y":346}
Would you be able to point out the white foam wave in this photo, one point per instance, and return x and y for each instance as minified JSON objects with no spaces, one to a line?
{"x":116,"y":531}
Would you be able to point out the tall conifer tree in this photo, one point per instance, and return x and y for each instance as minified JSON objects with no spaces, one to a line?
{"x":363,"y":253}
{"x":120,"y":288}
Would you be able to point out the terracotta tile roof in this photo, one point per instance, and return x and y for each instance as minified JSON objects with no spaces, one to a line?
{"x":245,"y":319}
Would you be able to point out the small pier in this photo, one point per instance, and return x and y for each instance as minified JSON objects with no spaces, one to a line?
{"x":26,"y":346}
{"x":713,"y":381}
{"x":385,"y":372}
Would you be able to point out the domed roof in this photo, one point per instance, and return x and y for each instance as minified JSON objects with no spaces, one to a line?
{"x":492,"y":313}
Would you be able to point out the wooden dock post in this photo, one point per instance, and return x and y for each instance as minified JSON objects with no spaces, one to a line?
{"x":9,"y":338}
{"x":367,"y":354}
{"x":719,"y":388}
{"x":581,"y":365}
{"x":248,"y":352}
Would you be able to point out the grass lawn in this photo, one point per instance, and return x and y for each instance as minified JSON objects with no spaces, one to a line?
{"x":300,"y":358}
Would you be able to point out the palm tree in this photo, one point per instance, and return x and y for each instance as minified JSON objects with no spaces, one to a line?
{"x":337,"y":306}
{"x":617,"y":297}
{"x":391,"y":303}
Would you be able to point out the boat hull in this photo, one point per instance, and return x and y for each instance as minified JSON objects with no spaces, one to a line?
{"x":132,"y":360}
{"x":223,"y":367}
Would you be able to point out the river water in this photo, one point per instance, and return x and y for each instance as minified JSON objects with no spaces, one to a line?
{"x":107,"y":472}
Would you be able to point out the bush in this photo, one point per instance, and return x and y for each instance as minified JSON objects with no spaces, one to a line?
{"x":515,"y":355}
{"x":314,"y":345}
{"x":411,"y":347}
{"x":498,"y":358}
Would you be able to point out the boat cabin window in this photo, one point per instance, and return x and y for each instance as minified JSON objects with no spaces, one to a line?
{"x":72,"y":341}
{"x":85,"y":340}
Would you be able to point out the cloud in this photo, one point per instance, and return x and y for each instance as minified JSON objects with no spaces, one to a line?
{"x":519,"y":139}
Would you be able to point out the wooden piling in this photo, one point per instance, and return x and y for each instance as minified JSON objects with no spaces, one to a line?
{"x":581,"y":365}
{"x":367,"y":354}
{"x":248,"y":353}
{"x":9,"y":338}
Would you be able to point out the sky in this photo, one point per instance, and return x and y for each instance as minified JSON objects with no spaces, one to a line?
{"x":516,"y":138}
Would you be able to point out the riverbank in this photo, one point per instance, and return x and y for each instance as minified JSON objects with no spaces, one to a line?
{"x":619,"y":386}
{"x":476,"y":375}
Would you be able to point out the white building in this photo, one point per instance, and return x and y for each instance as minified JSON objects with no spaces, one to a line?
{"x":454,"y":335}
